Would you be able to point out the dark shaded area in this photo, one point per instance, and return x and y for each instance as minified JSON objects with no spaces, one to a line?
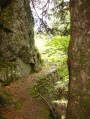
{"x":4,"y":3}
{"x":2,"y":100}
{"x":5,"y":29}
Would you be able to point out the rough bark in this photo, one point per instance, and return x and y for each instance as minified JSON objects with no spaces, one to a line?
{"x":79,"y":61}
{"x":18,"y":54}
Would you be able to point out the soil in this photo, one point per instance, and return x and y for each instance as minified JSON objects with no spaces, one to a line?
{"x":24,"y":106}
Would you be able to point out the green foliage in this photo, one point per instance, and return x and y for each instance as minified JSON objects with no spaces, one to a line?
{"x":17,"y":106}
{"x":33,"y":91}
{"x":54,"y":52}
{"x":57,"y":53}
{"x":45,"y":112}
{"x":6,"y":97}
{"x":50,"y":93}
{"x":3,"y":116}
{"x":45,"y":88}
{"x":60,"y":18}
{"x":59,"y":43}
{"x":55,"y":16}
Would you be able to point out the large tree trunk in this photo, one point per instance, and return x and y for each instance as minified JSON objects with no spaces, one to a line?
{"x":79,"y":61}
{"x":18,"y":54}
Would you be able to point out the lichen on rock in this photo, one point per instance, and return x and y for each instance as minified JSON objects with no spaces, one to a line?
{"x":17,"y":38}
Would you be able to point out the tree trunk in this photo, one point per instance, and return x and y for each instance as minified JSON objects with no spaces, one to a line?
{"x":79,"y":61}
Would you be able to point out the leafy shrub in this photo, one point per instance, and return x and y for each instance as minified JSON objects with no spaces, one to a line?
{"x":57,"y":53}
{"x":59,"y":43}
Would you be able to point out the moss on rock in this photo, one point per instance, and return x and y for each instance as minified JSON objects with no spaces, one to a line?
{"x":17,"y":48}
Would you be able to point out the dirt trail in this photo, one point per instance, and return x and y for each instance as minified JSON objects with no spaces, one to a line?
{"x":26,"y":106}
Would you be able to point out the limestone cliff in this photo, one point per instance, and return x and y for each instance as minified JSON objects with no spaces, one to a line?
{"x":18,"y":54}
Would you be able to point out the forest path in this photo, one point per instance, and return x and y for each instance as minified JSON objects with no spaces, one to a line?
{"x":25,"y":106}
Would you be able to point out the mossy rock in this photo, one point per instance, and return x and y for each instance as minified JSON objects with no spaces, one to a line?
{"x":7,"y":72}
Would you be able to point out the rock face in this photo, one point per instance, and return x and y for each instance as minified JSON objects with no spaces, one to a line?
{"x":18,"y":54}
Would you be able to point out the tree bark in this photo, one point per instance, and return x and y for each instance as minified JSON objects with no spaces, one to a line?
{"x":79,"y":61}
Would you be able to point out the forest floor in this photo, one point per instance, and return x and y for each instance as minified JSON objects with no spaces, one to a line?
{"x":24,"y":107}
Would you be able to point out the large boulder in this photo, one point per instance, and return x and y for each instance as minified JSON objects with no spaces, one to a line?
{"x":18,"y":54}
